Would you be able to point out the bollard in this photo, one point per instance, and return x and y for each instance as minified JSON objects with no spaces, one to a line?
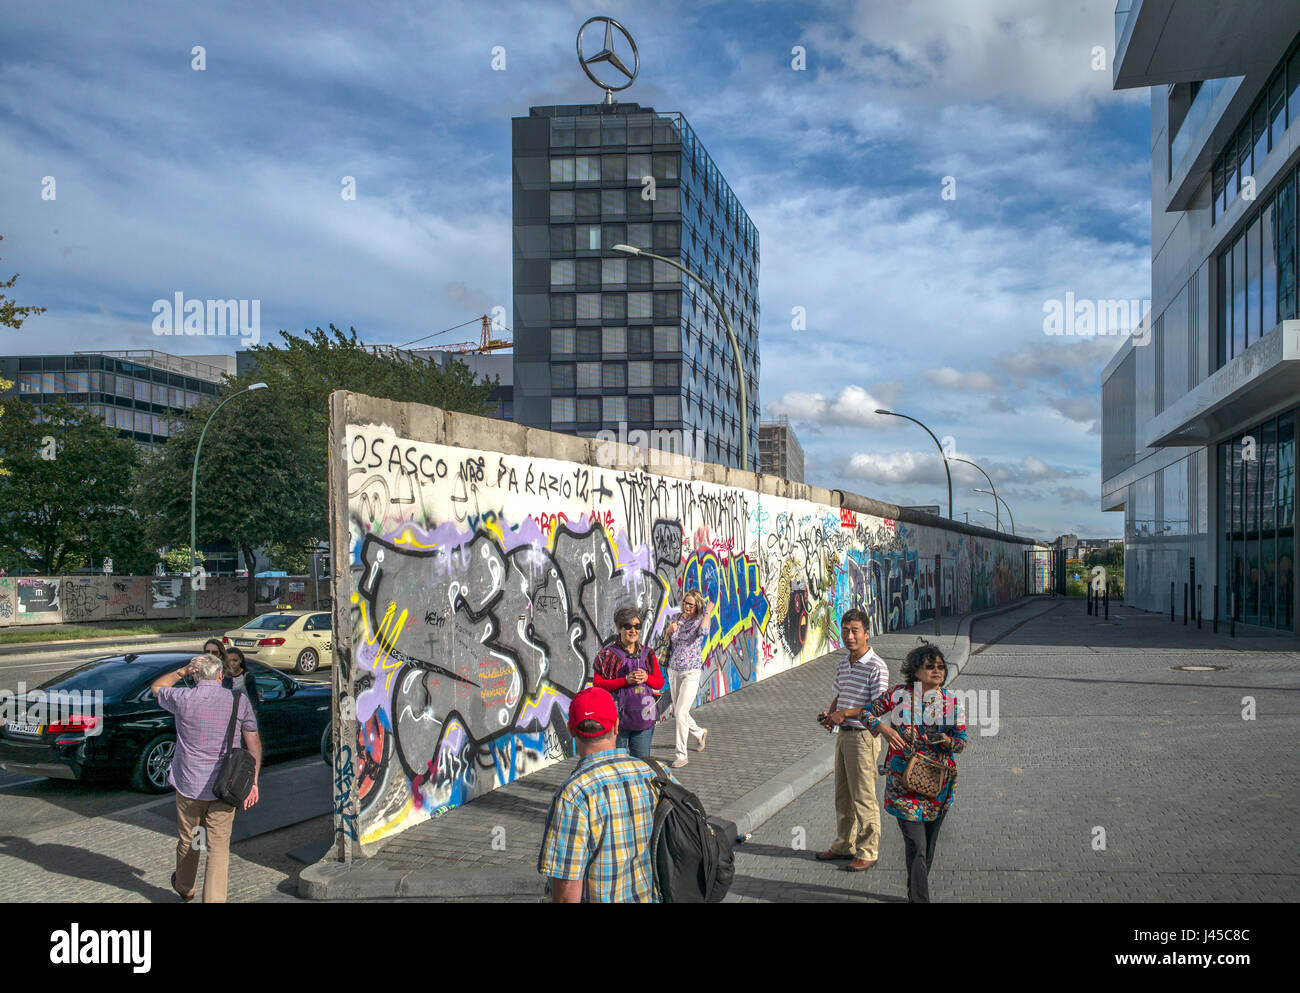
{"x":938,"y":588}
{"x":1171,"y":603}
{"x":1216,"y":608}
{"x":1185,"y":595}
{"x":1106,"y":595}
{"x":1089,"y":596}
{"x":1232,"y":607}
{"x":1198,"y":606}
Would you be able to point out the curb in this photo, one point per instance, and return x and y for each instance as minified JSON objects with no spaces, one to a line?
{"x":131,"y":641}
{"x":370,"y":880}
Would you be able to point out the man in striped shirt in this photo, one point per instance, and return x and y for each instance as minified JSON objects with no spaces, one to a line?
{"x":596,"y":844}
{"x":862,"y":676}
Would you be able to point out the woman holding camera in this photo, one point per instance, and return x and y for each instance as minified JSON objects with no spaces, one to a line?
{"x":687,"y":635}
{"x":931,"y":729}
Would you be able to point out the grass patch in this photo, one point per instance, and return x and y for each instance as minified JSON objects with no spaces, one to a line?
{"x":70,"y":632}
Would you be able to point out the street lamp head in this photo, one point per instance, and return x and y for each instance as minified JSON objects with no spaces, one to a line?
{"x":881,"y":411}
{"x":258,"y":386}
{"x":627,"y":249}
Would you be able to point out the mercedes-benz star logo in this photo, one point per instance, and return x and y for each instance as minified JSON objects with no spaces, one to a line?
{"x":608,"y":55}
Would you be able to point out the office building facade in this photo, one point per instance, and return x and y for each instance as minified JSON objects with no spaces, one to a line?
{"x":779,"y":451}
{"x":1199,"y":422}
{"x":603,"y":339}
{"x":138,"y":392}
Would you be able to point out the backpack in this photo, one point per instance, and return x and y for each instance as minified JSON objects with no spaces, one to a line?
{"x":238,"y":768}
{"x":693,"y":858}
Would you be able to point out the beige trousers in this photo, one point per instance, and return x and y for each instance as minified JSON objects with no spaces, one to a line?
{"x":857,"y":814}
{"x":203,"y":825}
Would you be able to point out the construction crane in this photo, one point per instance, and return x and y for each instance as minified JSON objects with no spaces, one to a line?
{"x":486,"y":342}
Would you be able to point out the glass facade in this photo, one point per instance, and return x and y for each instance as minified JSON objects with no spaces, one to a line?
{"x":139,"y":400}
{"x":1256,"y":524}
{"x":633,"y":336}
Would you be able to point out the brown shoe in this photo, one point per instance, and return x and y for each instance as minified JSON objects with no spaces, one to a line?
{"x":187,"y":899}
{"x":859,"y":865}
{"x":830,"y":856}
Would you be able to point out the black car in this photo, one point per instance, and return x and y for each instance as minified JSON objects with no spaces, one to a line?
{"x":135,"y":738}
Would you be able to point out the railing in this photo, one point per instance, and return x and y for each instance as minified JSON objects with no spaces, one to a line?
{"x":1197,"y":114}
{"x":1123,"y":10}
{"x":166,"y":361}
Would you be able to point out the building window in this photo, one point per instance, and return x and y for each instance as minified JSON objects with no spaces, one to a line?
{"x":562,"y":169}
{"x":588,"y":410}
{"x":562,"y":375}
{"x":667,"y":305}
{"x":562,"y":410}
{"x":638,"y":272}
{"x":613,"y":203}
{"x":638,"y":167}
{"x":639,"y":235}
{"x":561,"y":133}
{"x":613,"y":272}
{"x":588,"y":204}
{"x":588,"y":375}
{"x":614,"y":409}
{"x":667,"y":236}
{"x":665,"y":167}
{"x":640,"y":340}
{"x":613,"y":306}
{"x":614,"y":377}
{"x":614,"y":340}
{"x":640,"y":376}
{"x":615,"y":234}
{"x":587,"y":238}
{"x":588,"y":307}
{"x":640,"y":306}
{"x":562,"y":308}
{"x":667,"y":200}
{"x":640,"y":409}
{"x":561,"y":238}
{"x":588,"y":169}
{"x":668,"y":408}
{"x":561,"y":341}
{"x":613,"y":132}
{"x":562,"y":272}
{"x":667,"y":375}
{"x":613,"y":169}
{"x":561,"y":204}
{"x":588,"y":341}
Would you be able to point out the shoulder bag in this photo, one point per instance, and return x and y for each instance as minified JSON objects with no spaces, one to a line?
{"x":923,"y":775}
{"x":238,"y":767}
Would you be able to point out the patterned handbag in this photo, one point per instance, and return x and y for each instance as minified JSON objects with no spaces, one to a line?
{"x":923,"y":775}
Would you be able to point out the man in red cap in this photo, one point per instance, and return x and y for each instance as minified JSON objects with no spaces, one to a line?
{"x":596,"y":845}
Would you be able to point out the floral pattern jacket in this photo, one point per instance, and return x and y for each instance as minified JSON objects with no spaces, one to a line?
{"x":915,"y":715}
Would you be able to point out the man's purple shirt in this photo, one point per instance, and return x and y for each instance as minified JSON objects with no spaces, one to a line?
{"x":202,"y":715}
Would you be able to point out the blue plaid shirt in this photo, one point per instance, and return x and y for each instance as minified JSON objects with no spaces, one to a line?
{"x":598,"y":829}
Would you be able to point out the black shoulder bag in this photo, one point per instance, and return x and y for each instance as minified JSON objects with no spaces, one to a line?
{"x":238,"y":768}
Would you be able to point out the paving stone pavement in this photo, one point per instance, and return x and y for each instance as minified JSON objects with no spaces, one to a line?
{"x":1095,"y":730}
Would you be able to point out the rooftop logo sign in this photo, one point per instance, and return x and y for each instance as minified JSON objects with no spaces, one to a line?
{"x":608,"y":59}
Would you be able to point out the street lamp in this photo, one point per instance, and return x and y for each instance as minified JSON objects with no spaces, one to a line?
{"x":981,"y":510}
{"x":996,"y":517}
{"x":942,"y":455}
{"x":194,"y":490}
{"x":1005,"y":504}
{"x":731,"y":334}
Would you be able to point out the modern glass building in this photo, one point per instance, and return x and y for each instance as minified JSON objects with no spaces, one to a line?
{"x":137,"y":392}
{"x":1199,"y":422}
{"x":602,"y":338}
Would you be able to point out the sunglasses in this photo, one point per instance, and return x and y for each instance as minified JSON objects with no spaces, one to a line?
{"x":934,"y":665}
{"x":631,"y":627}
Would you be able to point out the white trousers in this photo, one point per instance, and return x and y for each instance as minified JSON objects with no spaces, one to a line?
{"x":684,"y":685}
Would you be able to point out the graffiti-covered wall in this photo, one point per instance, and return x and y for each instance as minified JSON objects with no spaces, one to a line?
{"x":476,"y":585}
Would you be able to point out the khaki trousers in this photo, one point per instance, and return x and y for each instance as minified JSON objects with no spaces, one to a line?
{"x":203,"y":825}
{"x":857,"y":814}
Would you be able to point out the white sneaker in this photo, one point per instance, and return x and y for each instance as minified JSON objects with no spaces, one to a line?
{"x":703,"y":734}
{"x":678,"y":763}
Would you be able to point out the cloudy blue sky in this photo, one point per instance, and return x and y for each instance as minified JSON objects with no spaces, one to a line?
{"x":225,"y":183}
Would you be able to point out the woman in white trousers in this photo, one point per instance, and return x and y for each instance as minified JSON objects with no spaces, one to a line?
{"x":687,"y":635}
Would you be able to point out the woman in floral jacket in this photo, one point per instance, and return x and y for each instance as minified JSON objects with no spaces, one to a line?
{"x":930,"y":722}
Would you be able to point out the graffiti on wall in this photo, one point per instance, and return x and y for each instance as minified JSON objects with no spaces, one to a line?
{"x":483,"y":584}
{"x":38,"y":596}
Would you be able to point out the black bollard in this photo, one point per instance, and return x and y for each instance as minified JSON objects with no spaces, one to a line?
{"x":938,"y":588}
{"x":1106,"y":596}
{"x":1185,"y":594}
{"x":1198,"y":606}
{"x":1171,"y":603}
{"x":1216,"y":608}
{"x":1232,"y":607}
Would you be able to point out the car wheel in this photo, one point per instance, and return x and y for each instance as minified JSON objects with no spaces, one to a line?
{"x":326,"y":745}
{"x":150,"y":772}
{"x":307,"y":662}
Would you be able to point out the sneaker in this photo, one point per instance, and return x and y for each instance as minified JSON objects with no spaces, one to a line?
{"x":678,"y":763}
{"x":703,"y":734}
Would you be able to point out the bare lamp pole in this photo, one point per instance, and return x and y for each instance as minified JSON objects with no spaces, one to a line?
{"x":943,"y":456}
{"x":194,"y":492}
{"x":997,"y":521}
{"x":1005,"y":504}
{"x":731,"y":334}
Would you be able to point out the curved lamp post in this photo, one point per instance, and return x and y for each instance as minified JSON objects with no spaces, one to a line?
{"x":731,"y":334}
{"x":946,"y":470}
{"x":997,"y":521}
{"x":1005,"y":504}
{"x":194,"y":490}
{"x":981,"y":510}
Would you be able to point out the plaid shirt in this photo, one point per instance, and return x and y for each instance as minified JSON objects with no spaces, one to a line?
{"x":598,"y":829}
{"x":202,"y":715}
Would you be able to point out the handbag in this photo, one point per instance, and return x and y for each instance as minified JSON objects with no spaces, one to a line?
{"x":923,"y":775}
{"x":238,"y":768}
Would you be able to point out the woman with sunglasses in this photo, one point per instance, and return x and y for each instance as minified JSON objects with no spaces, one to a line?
{"x":687,"y":635}
{"x":237,"y":676}
{"x":629,"y":670}
{"x":930,"y":722}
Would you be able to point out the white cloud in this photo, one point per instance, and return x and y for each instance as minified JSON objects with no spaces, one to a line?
{"x":853,"y":405}
{"x":950,"y":379}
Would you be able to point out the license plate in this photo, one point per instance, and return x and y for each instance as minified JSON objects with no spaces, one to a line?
{"x":13,"y":727}
{"x":245,"y":642}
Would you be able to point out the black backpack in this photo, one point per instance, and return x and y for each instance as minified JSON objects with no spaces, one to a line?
{"x":693,"y":858}
{"x":238,"y":769}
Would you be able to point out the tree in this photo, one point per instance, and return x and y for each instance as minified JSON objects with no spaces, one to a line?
{"x":70,"y":476}
{"x":12,"y":316}
{"x":181,"y":559}
{"x":293,"y":559}
{"x":254,"y":483}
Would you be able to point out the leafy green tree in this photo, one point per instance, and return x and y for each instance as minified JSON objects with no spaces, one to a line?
{"x":293,"y":559}
{"x":12,"y":316}
{"x":254,"y":480}
{"x":122,"y":538}
{"x":180,"y":559}
{"x":70,"y":475}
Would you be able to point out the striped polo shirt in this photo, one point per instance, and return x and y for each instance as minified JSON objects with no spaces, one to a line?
{"x":858,"y":683}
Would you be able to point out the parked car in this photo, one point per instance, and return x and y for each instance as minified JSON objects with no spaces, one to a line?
{"x":301,"y":639}
{"x":135,"y":738}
